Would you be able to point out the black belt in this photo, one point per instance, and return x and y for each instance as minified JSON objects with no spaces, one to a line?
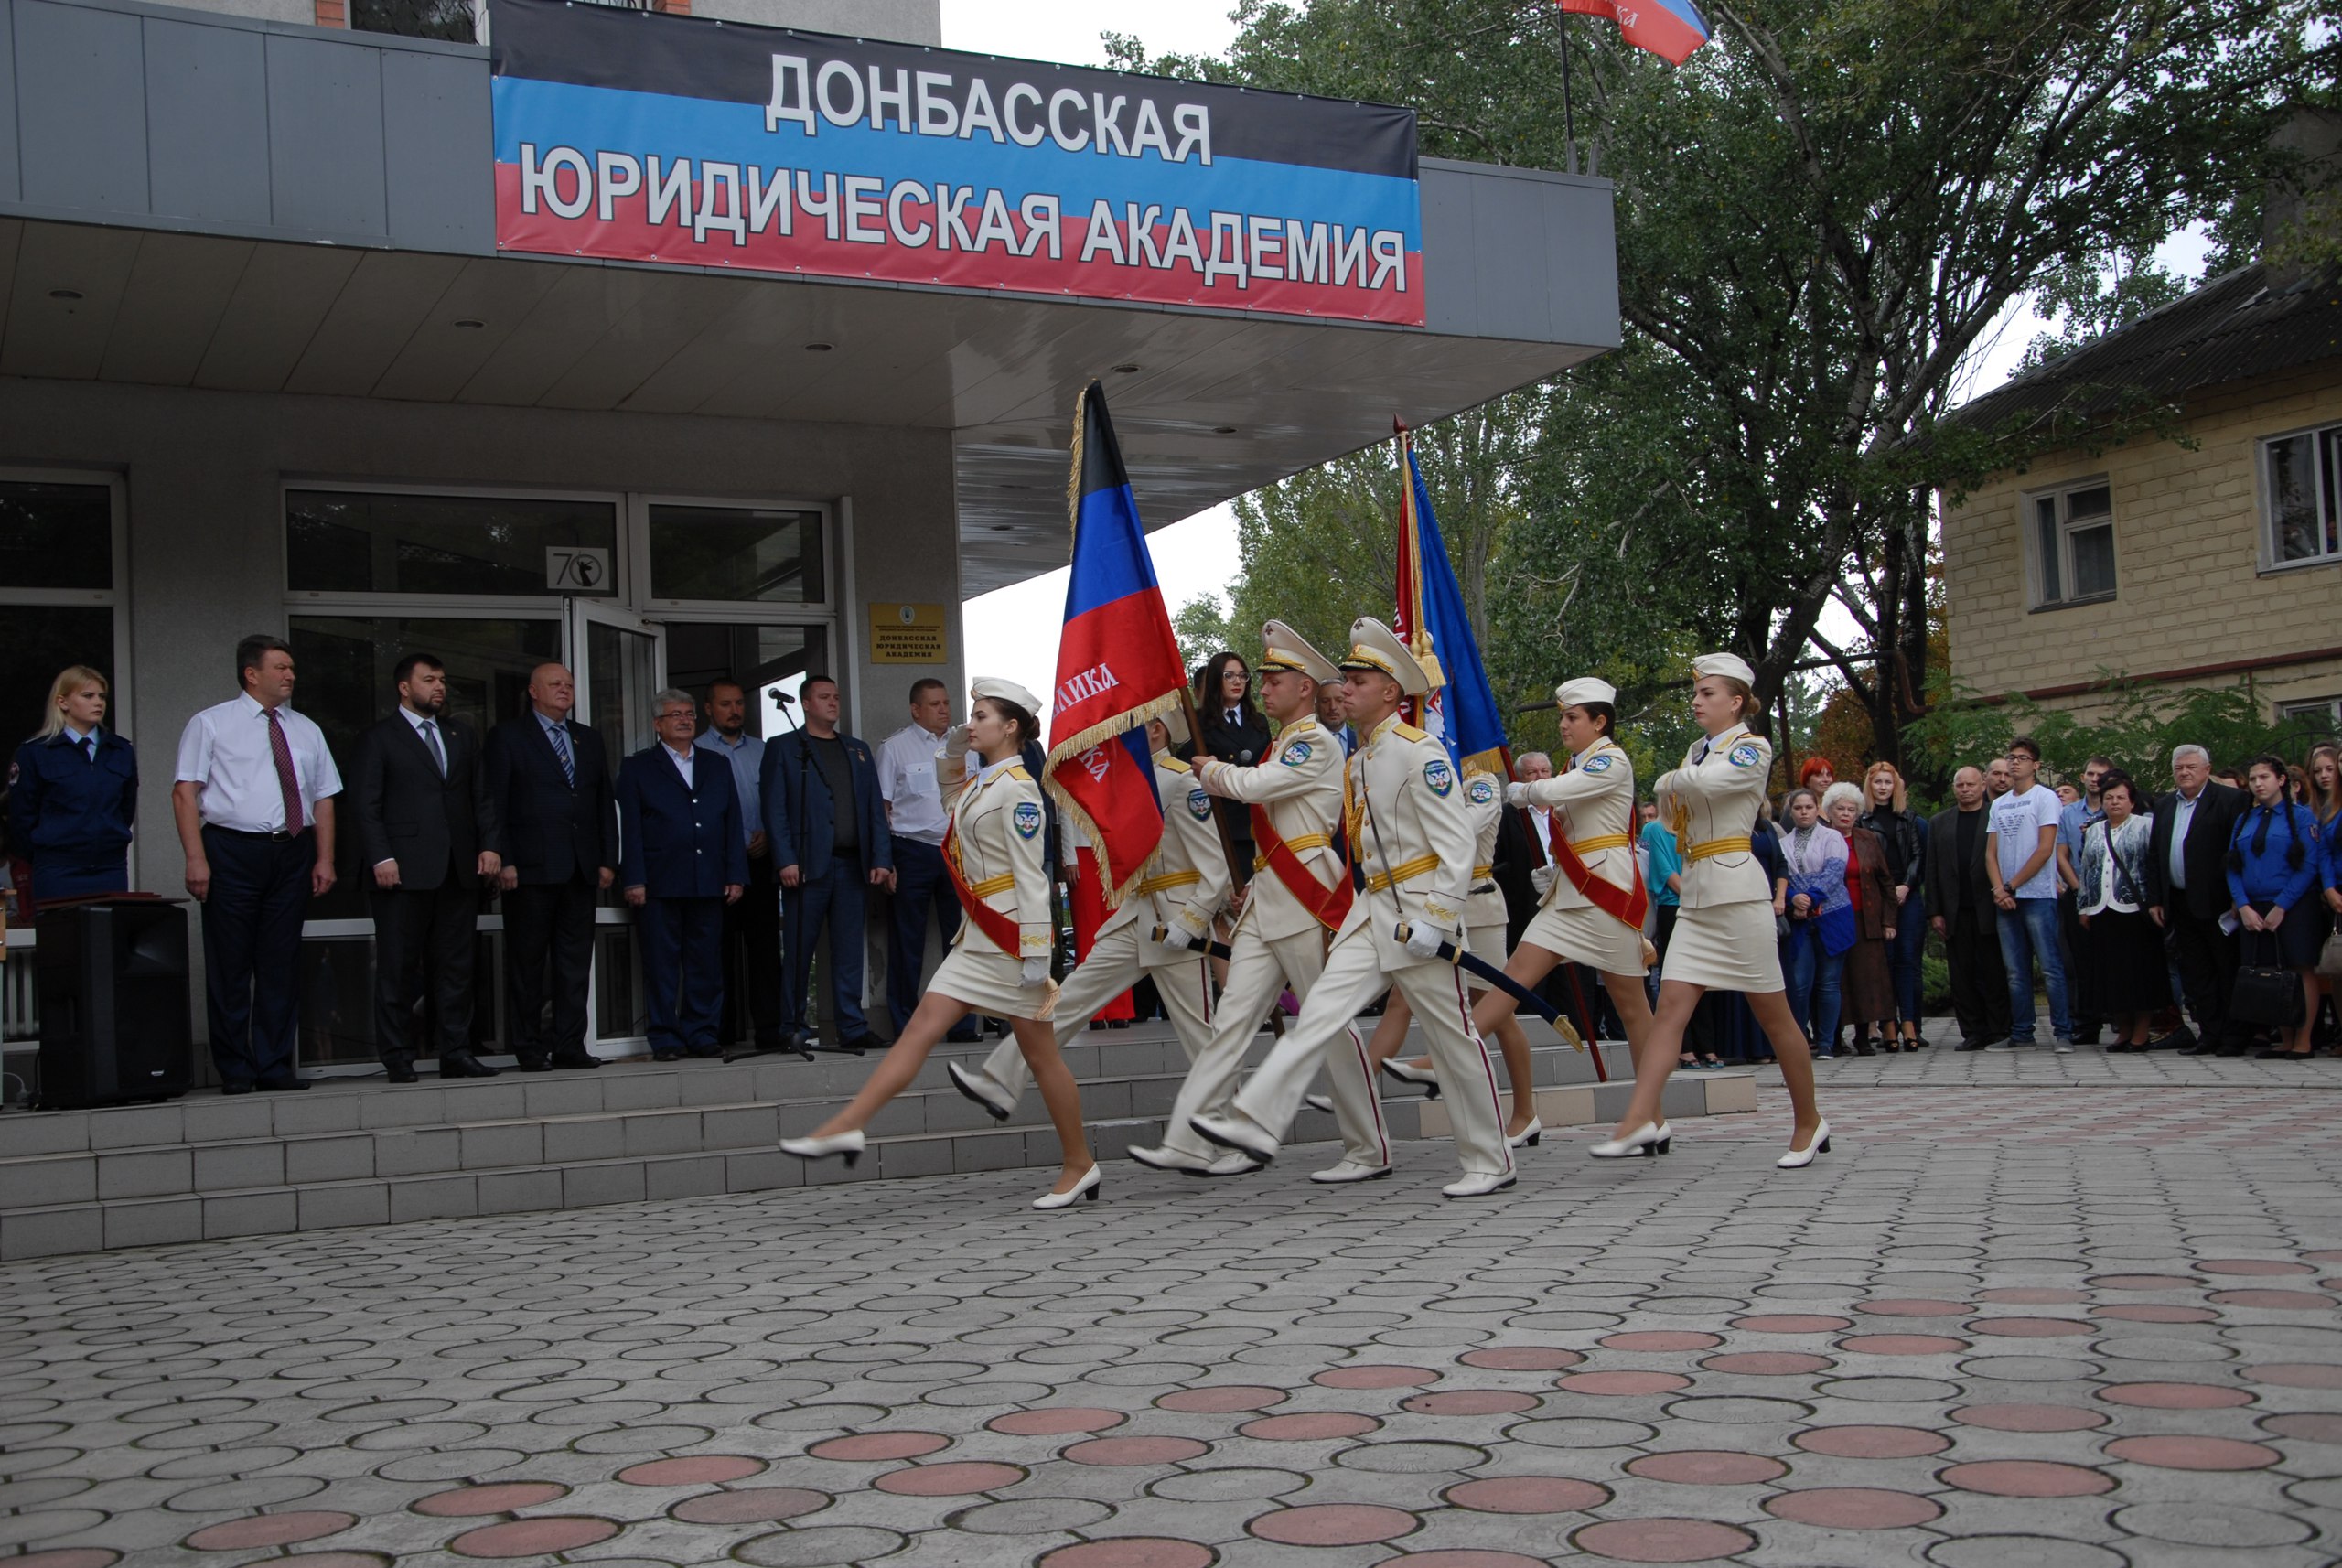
{"x":280,"y":836}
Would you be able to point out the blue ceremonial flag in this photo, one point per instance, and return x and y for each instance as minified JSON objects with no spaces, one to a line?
{"x":1462,"y":708}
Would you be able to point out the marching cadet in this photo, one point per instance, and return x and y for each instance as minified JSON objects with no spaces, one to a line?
{"x":1157,"y":933}
{"x":999,"y":964}
{"x":1412,"y":858}
{"x":1724,"y":934}
{"x":1298,"y":894}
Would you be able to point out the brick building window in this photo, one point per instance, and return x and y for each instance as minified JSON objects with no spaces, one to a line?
{"x":2069,"y":540}
{"x":2301,"y":485}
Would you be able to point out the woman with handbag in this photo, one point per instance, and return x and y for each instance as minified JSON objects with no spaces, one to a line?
{"x":1887,"y":811}
{"x":2125,"y":932}
{"x":2324,"y":804}
{"x":1821,"y":919}
{"x":2275,"y":859}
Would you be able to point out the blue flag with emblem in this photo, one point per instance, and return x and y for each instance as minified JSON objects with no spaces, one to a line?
{"x":1462,"y":708}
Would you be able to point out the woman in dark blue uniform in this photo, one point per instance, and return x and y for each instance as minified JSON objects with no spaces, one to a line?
{"x":2274,"y":861}
{"x":74,"y":795}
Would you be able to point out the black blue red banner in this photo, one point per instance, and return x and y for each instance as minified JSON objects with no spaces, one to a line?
{"x":632,"y":135}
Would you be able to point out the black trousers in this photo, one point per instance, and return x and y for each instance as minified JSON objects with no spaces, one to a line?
{"x":2206,"y":960}
{"x":752,"y":957}
{"x":252,"y":949}
{"x":2085,"y":993}
{"x":548,"y":927}
{"x":433,"y":929}
{"x":1980,"y":984}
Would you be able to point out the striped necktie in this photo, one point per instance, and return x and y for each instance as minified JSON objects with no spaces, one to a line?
{"x":560,"y":734}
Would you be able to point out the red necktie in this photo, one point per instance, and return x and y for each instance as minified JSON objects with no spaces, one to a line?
{"x":287,"y":783}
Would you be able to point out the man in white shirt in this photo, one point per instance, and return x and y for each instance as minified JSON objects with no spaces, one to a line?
{"x":752,"y":923}
{"x":916,"y":816}
{"x":2021,"y":850}
{"x":252,"y":798}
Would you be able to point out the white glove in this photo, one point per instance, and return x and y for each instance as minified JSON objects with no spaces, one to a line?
{"x":956,"y":742}
{"x":1541,"y":879}
{"x":1035,"y":972}
{"x":1422,"y":940}
{"x":1516,"y":794}
{"x":1178,"y":939}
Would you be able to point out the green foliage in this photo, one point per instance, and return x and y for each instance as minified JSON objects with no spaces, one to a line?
{"x":1201,"y":626}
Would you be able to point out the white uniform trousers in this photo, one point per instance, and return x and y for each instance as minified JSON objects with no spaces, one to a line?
{"x":1113,"y":968}
{"x":1352,"y":978}
{"x":1257,"y":968}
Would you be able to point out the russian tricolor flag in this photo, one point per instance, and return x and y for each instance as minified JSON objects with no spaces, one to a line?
{"x":1118,"y":663}
{"x":1670,"y":30}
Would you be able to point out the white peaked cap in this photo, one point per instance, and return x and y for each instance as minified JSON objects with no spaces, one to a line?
{"x":1006,"y":691}
{"x":1728,"y":664}
{"x":1374,"y":646}
{"x":1584,"y":690}
{"x":1282,"y":648}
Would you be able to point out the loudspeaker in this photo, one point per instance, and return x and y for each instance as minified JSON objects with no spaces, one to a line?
{"x":111,"y":981}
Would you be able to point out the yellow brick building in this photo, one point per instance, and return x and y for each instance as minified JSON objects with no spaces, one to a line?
{"x":2212,"y":566}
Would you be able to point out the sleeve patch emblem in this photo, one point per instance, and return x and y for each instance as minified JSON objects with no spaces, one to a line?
{"x":1480,"y":792}
{"x":1745,"y":754}
{"x":1600,"y":764}
{"x":1439,"y":776}
{"x":1199,"y":805}
{"x":1296,"y":754}
{"x":1027,"y":818}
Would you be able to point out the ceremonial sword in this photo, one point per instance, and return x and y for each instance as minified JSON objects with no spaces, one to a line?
{"x":1209,"y":950}
{"x":1482,"y":969}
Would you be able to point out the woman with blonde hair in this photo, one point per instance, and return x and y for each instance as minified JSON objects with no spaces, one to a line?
{"x":1864,"y":995}
{"x":1887,"y":811}
{"x":74,"y":795}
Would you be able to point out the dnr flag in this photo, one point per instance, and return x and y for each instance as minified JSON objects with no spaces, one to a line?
{"x":1670,"y":30}
{"x":1461,"y":710}
{"x":1118,"y":663}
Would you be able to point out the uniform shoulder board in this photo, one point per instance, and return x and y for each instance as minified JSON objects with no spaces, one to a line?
{"x":1018,"y":772}
{"x":1406,"y":731}
{"x":1173,"y":763}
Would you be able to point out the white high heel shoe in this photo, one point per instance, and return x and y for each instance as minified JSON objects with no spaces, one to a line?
{"x":849,"y":1145}
{"x":1797,"y":1159}
{"x":1651,"y":1138}
{"x":1086,"y":1187}
{"x":1528,"y":1137}
{"x":1414,"y":1077}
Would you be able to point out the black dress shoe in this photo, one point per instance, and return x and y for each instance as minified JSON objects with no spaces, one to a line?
{"x":666,"y":1056}
{"x":581,"y":1059}
{"x":235,"y":1089}
{"x":400,"y":1073}
{"x":1970,"y":1045}
{"x":463,"y":1064}
{"x":860,"y":1043}
{"x":531,"y":1064}
{"x":282,"y":1085}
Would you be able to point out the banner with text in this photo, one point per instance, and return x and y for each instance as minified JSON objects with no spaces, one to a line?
{"x":630,"y":134}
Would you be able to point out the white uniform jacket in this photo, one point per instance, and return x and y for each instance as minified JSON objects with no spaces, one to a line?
{"x":1299,"y":783}
{"x":1411,"y":836}
{"x":1710,"y":802}
{"x":1484,"y":805}
{"x":996,"y":828}
{"x":1593,"y":805}
{"x":1185,"y":884}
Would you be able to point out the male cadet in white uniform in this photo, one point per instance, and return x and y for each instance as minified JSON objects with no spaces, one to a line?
{"x":1183,"y":886}
{"x":1298,"y":892}
{"x":1411,"y":846}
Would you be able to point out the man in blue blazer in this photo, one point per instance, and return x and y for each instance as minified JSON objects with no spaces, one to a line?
{"x":827,"y":826}
{"x":683,"y":858}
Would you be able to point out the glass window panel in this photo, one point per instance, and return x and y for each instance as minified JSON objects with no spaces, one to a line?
{"x":56,"y":536}
{"x":620,"y":1013}
{"x":2045,"y":548}
{"x":2330,"y":487}
{"x":344,"y":663}
{"x":342,"y":541}
{"x":622,"y":677}
{"x":38,"y":641}
{"x":2293,"y":500}
{"x":743,"y":554}
{"x":765,"y":658}
{"x":2096,"y":501}
{"x":336,"y":977}
{"x":2093,"y":551}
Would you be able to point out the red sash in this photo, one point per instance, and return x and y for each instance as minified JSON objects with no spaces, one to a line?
{"x":1003,"y":931}
{"x":1331,"y":905}
{"x":1629,"y":907}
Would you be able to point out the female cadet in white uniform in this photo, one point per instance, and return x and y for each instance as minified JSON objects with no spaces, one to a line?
{"x":1724,"y":934}
{"x":993,"y":850}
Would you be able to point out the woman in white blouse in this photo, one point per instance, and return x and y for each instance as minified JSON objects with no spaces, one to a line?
{"x":2125,"y":932}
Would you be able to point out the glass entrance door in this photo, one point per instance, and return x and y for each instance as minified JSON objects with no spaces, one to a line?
{"x":619,"y":661}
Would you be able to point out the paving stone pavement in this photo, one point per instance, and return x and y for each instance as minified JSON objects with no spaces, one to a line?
{"x":2078,"y":1321}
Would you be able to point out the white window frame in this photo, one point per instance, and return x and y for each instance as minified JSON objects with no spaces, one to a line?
{"x":2030,"y":540}
{"x":377,"y":603}
{"x":2328,"y":708}
{"x":2324,"y":440}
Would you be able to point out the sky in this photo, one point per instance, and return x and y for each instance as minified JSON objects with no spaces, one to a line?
{"x":1013,"y":631}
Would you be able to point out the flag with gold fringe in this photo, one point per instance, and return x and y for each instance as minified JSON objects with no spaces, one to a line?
{"x":1461,"y":710}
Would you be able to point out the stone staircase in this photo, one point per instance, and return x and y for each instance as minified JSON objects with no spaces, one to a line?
{"x":360,"y":1152}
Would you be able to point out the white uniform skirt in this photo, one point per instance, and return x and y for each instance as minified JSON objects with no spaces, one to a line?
{"x":1487,"y":944}
{"x":987,"y":980}
{"x":1725,"y":947}
{"x":1587,"y":935}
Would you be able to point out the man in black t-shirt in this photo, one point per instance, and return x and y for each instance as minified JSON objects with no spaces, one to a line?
{"x":1960,"y":905}
{"x":827,"y":825}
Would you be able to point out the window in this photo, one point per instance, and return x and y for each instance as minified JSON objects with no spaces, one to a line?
{"x":357,"y":542}
{"x":736,"y":554}
{"x":2322,"y":715}
{"x":58,"y":601}
{"x":2072,"y":545}
{"x":2300,"y":494}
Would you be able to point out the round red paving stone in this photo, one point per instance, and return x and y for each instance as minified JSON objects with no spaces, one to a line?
{"x":868,"y":1447}
{"x":2028,"y":1417}
{"x":1521,"y":1359}
{"x":1224,"y":1400}
{"x":2252,"y":1266}
{"x":2151,"y":1312}
{"x":1853,"y":1507}
{"x":694,"y":1470}
{"x":1662,"y":1539}
{"x":2276,"y":1300}
{"x":504,"y":1497}
{"x":1902,"y":1345}
{"x":2310,"y":1427}
{"x":2174,"y":1396}
{"x":1467,"y":1559}
{"x":1622,"y":1382}
{"x":269,"y":1529}
{"x":1707,"y":1467}
{"x":1791,"y":1323}
{"x":1527,"y":1494}
{"x":2295,"y":1375}
{"x":1872,"y":1442}
{"x":1333,"y":1524}
{"x":1909,"y":1306}
{"x":1376,"y":1377}
{"x":2028,"y":1328}
{"x":1662,"y":1339}
{"x":2192,"y":1453}
{"x":1472,"y":1401}
{"x":533,"y":1537}
{"x":956,"y":1480}
{"x":1130,"y":1552}
{"x":1135,"y":1450}
{"x":2147,"y":1281}
{"x":1767,"y":1363}
{"x":2033,"y":1295}
{"x":1062,"y":1419}
{"x":749,"y":1505}
{"x":1310,"y":1426}
{"x":2324,"y":1257}
{"x":2027,"y":1478}
{"x":67,"y":1557}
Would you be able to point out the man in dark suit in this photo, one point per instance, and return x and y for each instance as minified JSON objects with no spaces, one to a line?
{"x":424,"y":826}
{"x":1960,"y":905}
{"x":827,"y":826}
{"x":2187,"y":888}
{"x":549,"y":785}
{"x":684,"y":859}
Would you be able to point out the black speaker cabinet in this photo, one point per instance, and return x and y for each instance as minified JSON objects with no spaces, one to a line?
{"x":111,"y":987}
